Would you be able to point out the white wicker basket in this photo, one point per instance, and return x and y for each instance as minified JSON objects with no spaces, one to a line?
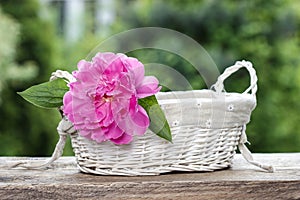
{"x":197,"y":145}
{"x":206,"y":125}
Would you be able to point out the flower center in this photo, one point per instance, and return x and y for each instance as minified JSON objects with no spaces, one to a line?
{"x":107,"y":98}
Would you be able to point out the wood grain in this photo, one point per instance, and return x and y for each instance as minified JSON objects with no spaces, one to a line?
{"x":241,"y":181}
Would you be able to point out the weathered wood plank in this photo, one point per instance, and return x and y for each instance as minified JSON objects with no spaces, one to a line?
{"x":64,"y":181}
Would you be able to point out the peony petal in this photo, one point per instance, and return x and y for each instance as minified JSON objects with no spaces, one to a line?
{"x":114,"y":132}
{"x":67,"y":108}
{"x":124,"y":139}
{"x":133,"y":105}
{"x":87,"y":78}
{"x":148,"y":87}
{"x":123,"y":88}
{"x":140,"y":121}
{"x":84,"y":112}
{"x":136,"y":68}
{"x":114,"y":68}
{"x":135,"y":124}
{"x":67,"y":99}
{"x":83,"y":65}
{"x":98,"y":135}
{"x":85,"y":133}
{"x":102,"y":60}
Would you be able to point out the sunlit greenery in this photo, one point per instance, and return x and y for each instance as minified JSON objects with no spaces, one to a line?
{"x":264,"y":32}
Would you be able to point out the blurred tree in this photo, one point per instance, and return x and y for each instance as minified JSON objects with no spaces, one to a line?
{"x":10,"y":71}
{"x":25,"y":129}
{"x":264,"y":32}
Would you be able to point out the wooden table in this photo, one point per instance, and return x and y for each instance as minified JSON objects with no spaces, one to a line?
{"x":242,"y":181}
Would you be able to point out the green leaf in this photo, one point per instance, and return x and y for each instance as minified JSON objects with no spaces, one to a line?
{"x":158,"y":122}
{"x":46,"y":95}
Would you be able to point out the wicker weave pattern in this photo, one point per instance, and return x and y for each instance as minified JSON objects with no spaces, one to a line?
{"x":193,"y":149}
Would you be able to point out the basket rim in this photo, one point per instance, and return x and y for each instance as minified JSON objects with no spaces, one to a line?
{"x":204,"y":94}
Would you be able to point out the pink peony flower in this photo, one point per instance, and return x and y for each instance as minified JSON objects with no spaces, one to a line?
{"x":103,"y":101}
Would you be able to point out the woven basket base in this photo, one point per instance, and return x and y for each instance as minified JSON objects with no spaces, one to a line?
{"x":193,"y":149}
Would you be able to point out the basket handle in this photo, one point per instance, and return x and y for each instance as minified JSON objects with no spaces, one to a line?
{"x":219,"y":85}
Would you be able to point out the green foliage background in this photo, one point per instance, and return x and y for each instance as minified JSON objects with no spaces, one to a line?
{"x":25,"y":129}
{"x":264,"y":32}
